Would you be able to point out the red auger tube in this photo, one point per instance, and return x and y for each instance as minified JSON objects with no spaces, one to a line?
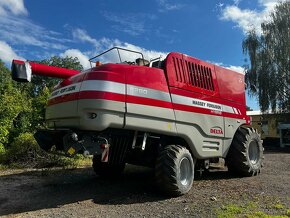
{"x":21,"y":71}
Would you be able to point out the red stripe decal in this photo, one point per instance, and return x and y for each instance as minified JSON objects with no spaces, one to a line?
{"x":87,"y":95}
{"x":102,"y":95}
{"x":109,"y":96}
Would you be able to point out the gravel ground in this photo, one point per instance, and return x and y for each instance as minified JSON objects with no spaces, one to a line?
{"x":79,"y":192}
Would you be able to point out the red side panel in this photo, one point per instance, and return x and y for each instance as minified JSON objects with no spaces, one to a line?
{"x":202,"y":81}
{"x":146,"y":77}
{"x":106,"y":74}
{"x":87,"y":86}
{"x":136,"y":79}
{"x":231,"y":85}
{"x":152,"y":82}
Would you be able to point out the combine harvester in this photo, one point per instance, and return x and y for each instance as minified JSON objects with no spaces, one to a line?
{"x":176,"y":115}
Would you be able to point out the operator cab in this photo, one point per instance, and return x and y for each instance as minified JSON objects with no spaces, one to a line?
{"x":125,"y":56}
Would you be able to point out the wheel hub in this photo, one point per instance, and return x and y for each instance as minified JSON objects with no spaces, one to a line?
{"x":254,"y":153}
{"x":185,"y":171}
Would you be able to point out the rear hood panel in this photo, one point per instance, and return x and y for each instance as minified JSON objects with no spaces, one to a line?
{"x":92,"y":100}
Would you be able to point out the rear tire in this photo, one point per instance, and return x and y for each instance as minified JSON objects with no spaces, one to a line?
{"x":107,"y":169}
{"x":174,"y":170}
{"x":245,"y":156}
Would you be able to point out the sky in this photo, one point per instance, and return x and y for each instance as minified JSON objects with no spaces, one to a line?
{"x":211,"y":30}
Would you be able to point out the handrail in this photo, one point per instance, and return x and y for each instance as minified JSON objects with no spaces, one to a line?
{"x":118,"y":48}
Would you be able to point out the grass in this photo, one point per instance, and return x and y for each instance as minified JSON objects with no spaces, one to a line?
{"x":82,"y":161}
{"x":3,"y":167}
{"x":24,"y":152}
{"x":278,"y":206}
{"x":229,"y":211}
{"x":52,"y":161}
{"x":253,"y":209}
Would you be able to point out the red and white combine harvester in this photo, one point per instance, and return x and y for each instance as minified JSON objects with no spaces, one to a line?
{"x":176,"y":115}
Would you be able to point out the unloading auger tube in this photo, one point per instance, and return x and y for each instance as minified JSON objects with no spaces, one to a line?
{"x":177,"y":115}
{"x":23,"y":70}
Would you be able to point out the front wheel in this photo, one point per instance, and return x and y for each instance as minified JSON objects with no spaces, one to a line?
{"x":245,"y":156}
{"x":174,"y":170}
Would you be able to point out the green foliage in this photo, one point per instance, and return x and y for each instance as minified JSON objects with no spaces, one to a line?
{"x":250,"y":210}
{"x":2,"y":149}
{"x":278,"y":206}
{"x":22,"y":110}
{"x":248,"y":108}
{"x":25,"y":152}
{"x":13,"y":102}
{"x":66,"y":62}
{"x":38,"y":92}
{"x":229,"y":211}
{"x":268,"y":76}
{"x":260,"y":214}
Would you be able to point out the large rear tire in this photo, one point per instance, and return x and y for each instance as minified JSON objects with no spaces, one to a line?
{"x":174,"y":170}
{"x":245,"y":156}
{"x":107,"y":169}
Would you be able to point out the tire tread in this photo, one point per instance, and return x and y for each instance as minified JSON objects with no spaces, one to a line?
{"x":237,"y":160}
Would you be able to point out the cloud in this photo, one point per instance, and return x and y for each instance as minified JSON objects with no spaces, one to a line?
{"x":15,"y":7}
{"x":83,"y":59}
{"x":238,"y":69}
{"x":247,"y":19}
{"x":166,"y":5}
{"x":127,"y":55}
{"x":7,"y":54}
{"x":112,"y":57}
{"x":17,"y":29}
{"x":148,"y":54}
{"x":237,"y":2}
{"x":82,"y":35}
{"x":104,"y":44}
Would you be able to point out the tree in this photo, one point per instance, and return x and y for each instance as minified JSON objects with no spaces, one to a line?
{"x":268,"y":76}
{"x":38,"y":91}
{"x":249,"y":108}
{"x":13,"y":102}
{"x":22,"y":107}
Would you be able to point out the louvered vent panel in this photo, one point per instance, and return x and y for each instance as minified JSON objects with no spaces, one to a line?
{"x":193,"y":74}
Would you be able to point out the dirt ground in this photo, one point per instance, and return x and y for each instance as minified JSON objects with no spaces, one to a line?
{"x":80,"y":193}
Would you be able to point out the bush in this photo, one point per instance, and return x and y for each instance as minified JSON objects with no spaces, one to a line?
{"x":2,"y":153}
{"x":23,"y":149}
{"x":25,"y":152}
{"x":2,"y":149}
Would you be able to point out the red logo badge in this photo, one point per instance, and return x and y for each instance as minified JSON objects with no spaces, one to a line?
{"x":216,"y":130}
